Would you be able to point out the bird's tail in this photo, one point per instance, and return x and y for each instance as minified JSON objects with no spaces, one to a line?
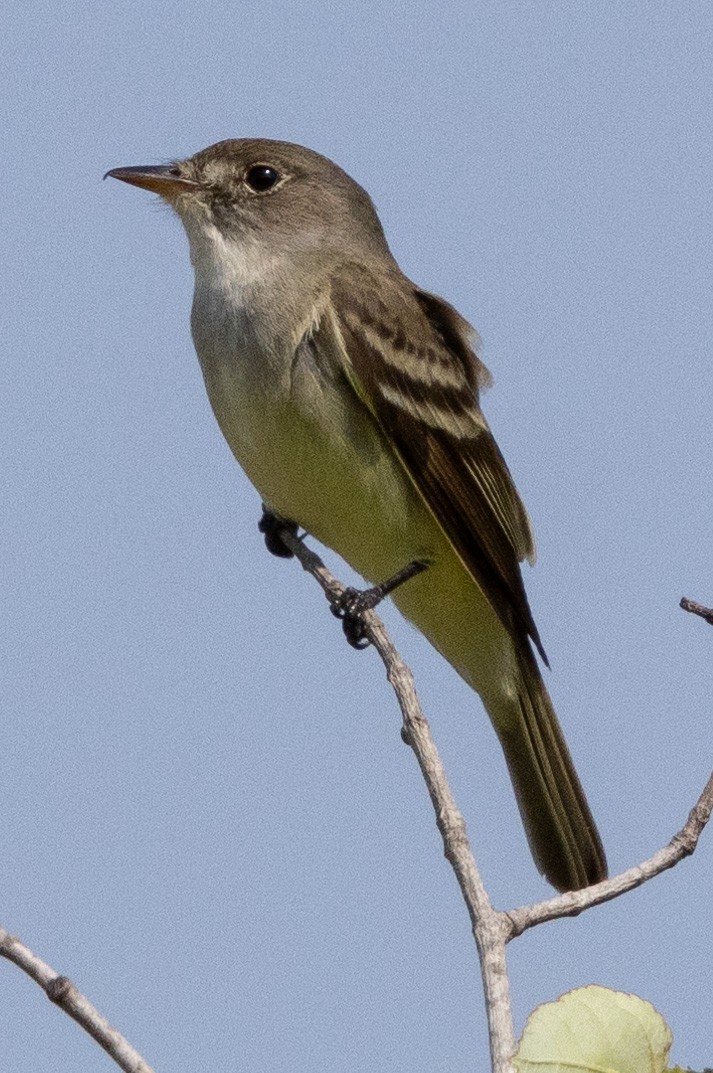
{"x":560,"y":828}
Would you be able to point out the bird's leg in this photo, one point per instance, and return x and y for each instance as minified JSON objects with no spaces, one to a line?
{"x":352,"y":604}
{"x":270,"y":526}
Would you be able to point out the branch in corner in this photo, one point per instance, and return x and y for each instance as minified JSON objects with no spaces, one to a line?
{"x":64,"y":994}
{"x":697,"y":609}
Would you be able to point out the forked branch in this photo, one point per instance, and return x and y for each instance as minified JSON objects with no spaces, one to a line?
{"x":492,"y":928}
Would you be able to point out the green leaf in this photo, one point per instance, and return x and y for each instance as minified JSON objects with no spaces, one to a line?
{"x":594,"y":1030}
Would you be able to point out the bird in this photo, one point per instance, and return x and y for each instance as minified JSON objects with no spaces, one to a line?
{"x":350,"y":397}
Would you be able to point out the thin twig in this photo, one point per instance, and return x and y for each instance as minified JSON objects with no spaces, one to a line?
{"x":490,"y":927}
{"x":697,"y":609}
{"x":574,"y":902}
{"x":64,"y":994}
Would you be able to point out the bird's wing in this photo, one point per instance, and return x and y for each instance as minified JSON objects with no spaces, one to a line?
{"x":411,"y":359}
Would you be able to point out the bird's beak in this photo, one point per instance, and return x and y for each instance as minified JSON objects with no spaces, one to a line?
{"x":163,"y":179}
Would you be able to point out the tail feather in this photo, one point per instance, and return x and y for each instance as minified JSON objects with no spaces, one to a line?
{"x":560,"y":828}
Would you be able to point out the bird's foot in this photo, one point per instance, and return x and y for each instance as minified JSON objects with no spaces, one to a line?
{"x":271,"y":526}
{"x":353,"y":603}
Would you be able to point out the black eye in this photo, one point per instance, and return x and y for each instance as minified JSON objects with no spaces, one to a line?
{"x":261,"y":177}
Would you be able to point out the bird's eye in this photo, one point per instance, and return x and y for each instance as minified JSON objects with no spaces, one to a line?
{"x":261,"y":177}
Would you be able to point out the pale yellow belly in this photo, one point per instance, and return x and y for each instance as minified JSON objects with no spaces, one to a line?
{"x":330,"y":470}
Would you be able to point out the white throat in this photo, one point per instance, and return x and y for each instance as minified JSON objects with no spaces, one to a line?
{"x":226,"y":267}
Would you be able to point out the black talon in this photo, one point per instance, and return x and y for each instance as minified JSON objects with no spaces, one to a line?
{"x":350,"y":607}
{"x":270,"y":525}
{"x":352,"y":604}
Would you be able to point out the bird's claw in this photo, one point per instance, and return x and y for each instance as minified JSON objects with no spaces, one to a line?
{"x":350,"y":608}
{"x":271,"y":526}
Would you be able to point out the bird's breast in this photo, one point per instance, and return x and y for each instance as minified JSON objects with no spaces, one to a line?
{"x":309,"y":445}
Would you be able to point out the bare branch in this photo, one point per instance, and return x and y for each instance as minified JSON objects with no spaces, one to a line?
{"x":490,"y":927}
{"x":697,"y":609}
{"x":64,"y":994}
{"x":571,"y":904}
{"x":493,"y":928}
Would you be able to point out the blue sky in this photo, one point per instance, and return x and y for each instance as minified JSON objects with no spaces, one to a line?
{"x":208,"y":819}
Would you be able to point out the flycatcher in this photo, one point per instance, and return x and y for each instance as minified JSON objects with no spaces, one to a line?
{"x":350,"y":397}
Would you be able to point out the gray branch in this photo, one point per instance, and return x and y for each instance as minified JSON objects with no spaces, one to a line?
{"x":575,"y":902}
{"x":64,"y":994}
{"x":493,"y":928}
{"x":490,"y":927}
